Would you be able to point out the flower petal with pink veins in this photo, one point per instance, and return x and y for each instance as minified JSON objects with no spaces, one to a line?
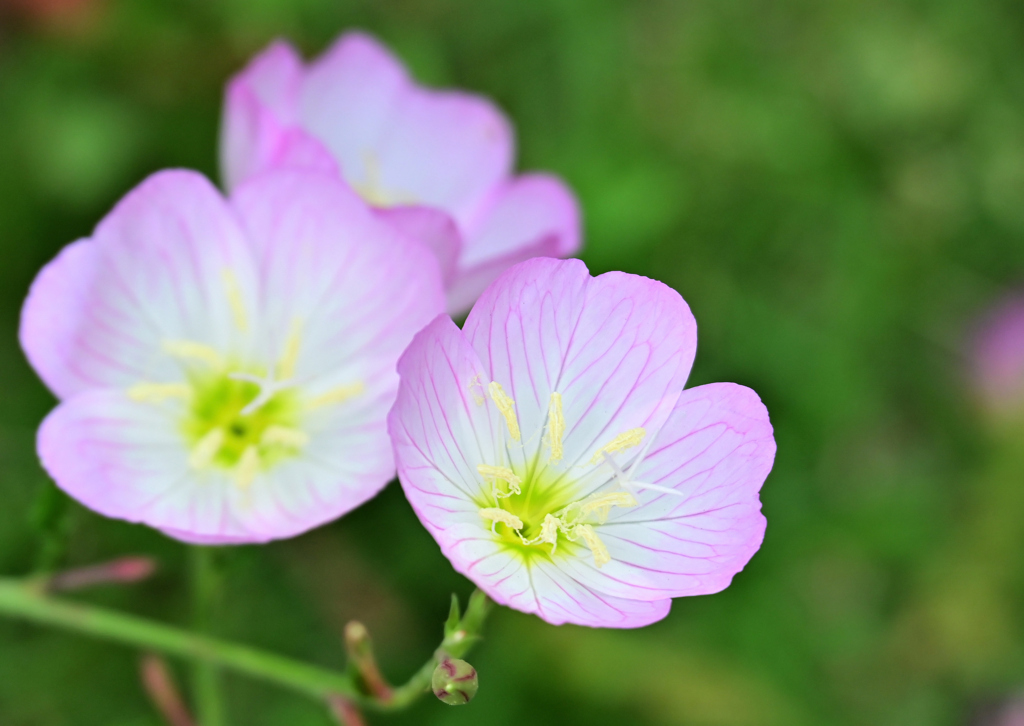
{"x":441,"y":429}
{"x":715,"y":450}
{"x":154,"y":270}
{"x":618,"y":348}
{"x":127,"y":459}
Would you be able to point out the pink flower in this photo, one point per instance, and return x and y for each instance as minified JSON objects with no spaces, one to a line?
{"x":998,"y":358}
{"x":550,"y":449}
{"x":225,"y":366}
{"x":436,"y":163}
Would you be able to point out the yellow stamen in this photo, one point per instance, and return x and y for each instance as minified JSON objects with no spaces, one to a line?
{"x":248,"y":467}
{"x":286,"y":368}
{"x":507,"y":408}
{"x":495,"y":473}
{"x":601,"y":556}
{"x":202,"y":453}
{"x":235,"y":300}
{"x":157,"y":392}
{"x":500,"y":516}
{"x":556,"y":427}
{"x":284,"y":436}
{"x":602,"y":503}
{"x":194,"y":351}
{"x":625,"y":440}
{"x":337,"y":395}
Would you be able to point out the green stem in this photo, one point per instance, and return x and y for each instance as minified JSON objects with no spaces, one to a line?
{"x":26,"y":600}
{"x":207,"y":681}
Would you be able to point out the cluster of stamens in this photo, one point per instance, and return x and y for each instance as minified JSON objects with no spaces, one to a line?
{"x":574,"y":521}
{"x":240,"y":418}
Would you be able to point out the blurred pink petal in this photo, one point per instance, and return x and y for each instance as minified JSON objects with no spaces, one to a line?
{"x":400,"y":145}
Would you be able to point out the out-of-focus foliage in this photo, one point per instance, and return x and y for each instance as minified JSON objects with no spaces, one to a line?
{"x":837,"y":188}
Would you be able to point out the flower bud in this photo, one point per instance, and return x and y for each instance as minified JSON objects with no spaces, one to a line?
{"x":454,"y":681}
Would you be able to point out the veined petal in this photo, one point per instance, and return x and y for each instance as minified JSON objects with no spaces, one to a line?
{"x":128,"y":460}
{"x":342,"y":286}
{"x":618,"y":348}
{"x":168,"y":263}
{"x":442,"y":432}
{"x":715,"y":450}
{"x":563,"y":599}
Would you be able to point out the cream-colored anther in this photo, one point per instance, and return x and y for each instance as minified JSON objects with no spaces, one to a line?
{"x":498,"y":516}
{"x":203,"y":452}
{"x":189,"y":350}
{"x":507,"y":408}
{"x":496,"y":473}
{"x":157,"y":392}
{"x":235,"y":300}
{"x":625,"y":440}
{"x":337,"y":395}
{"x":247,"y":468}
{"x":556,"y":427}
{"x":600,"y":552}
{"x":601,"y":504}
{"x":284,"y":436}
{"x":549,"y":531}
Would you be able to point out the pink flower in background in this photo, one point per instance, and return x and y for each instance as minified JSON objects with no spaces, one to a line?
{"x":550,"y":449}
{"x":436,"y":163}
{"x":226,"y":367}
{"x":998,"y":358}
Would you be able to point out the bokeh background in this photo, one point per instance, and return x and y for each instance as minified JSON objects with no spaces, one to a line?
{"x":836,"y":188}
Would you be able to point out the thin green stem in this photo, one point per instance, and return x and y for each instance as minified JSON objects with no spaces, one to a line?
{"x":207,"y":681}
{"x":27,"y":600}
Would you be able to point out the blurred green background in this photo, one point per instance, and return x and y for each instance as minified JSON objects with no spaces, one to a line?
{"x":836,"y":188}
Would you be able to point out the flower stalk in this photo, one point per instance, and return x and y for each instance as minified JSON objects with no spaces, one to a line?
{"x":26,"y":600}
{"x":207,"y":680}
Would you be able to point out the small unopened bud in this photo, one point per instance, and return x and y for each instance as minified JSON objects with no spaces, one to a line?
{"x":454,"y":681}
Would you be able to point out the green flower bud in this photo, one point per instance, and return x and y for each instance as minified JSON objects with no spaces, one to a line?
{"x":454,"y":681}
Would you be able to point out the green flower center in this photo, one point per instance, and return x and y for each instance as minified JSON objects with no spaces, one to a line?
{"x":217,"y":414}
